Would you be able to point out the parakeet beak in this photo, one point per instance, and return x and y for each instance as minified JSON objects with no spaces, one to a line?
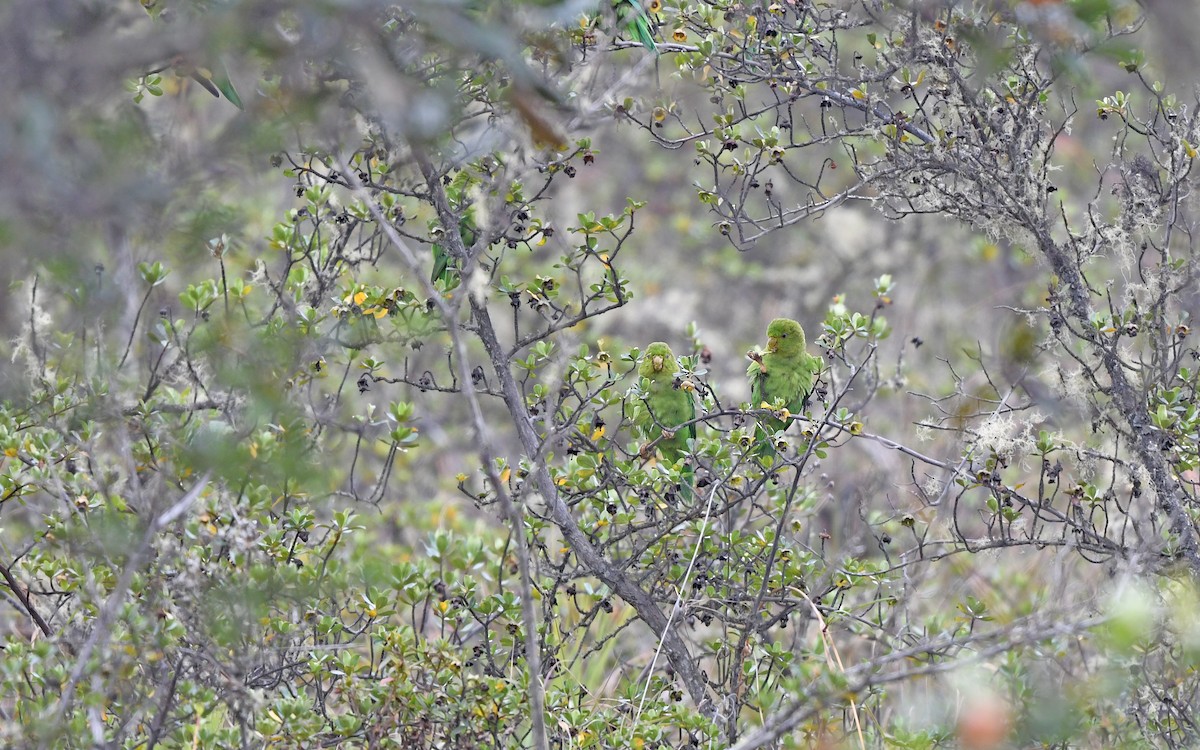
{"x":772,"y":344}
{"x":657,"y":363}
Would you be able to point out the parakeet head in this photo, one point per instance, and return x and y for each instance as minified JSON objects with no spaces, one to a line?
{"x":785,"y":336}
{"x":658,"y":361}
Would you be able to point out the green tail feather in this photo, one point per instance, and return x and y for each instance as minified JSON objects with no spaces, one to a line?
{"x":640,"y":30}
{"x":637,"y":23}
{"x":226,"y":87}
{"x":764,"y":449}
{"x":687,"y":476}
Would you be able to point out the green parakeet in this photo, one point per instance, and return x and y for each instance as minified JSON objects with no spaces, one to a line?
{"x":637,"y":22}
{"x":667,"y":406}
{"x":784,"y":373}
{"x":443,"y":268}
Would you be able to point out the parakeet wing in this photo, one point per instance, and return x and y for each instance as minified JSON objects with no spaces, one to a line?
{"x":814,"y":366}
{"x":208,"y":85}
{"x":442,"y":267}
{"x":441,"y":264}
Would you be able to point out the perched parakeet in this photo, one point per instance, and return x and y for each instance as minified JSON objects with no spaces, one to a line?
{"x":785,"y":372}
{"x":667,"y":406}
{"x":443,"y":268}
{"x":637,"y":22}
